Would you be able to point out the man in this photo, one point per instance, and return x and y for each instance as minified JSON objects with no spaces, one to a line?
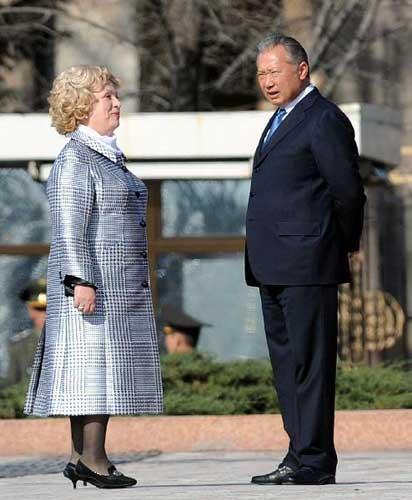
{"x":304,"y":217}
{"x":181,"y":330}
{"x":22,"y":345}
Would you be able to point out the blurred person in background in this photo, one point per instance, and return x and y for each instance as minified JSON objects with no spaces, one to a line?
{"x":304,"y":218}
{"x":99,"y":354}
{"x":181,"y":331}
{"x":22,"y":345}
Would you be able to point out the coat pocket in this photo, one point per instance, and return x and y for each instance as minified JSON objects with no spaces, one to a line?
{"x":305,"y":228}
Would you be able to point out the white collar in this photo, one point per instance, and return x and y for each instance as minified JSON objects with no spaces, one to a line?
{"x":288,"y":108}
{"x":108,"y":140}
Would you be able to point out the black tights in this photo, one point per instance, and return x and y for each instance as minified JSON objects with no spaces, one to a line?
{"x":88,"y":441}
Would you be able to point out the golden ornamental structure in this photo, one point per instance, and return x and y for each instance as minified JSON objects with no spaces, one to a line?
{"x":369,"y":321}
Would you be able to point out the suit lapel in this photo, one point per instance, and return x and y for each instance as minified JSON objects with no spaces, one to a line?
{"x":288,"y":124}
{"x":259,"y":148}
{"x":296,"y":116}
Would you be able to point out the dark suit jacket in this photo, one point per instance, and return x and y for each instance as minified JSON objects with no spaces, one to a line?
{"x":305,"y":209}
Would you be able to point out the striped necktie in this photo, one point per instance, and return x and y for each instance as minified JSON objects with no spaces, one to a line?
{"x":280,"y":114}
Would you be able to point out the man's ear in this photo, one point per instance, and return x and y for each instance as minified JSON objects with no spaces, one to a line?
{"x":303,"y":70}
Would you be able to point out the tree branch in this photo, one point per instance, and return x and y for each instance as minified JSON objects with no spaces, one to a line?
{"x":322,"y":42}
{"x":354,"y":48}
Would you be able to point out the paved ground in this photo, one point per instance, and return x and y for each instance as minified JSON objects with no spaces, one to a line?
{"x":223,"y":476}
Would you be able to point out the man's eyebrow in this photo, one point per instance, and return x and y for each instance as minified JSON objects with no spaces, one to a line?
{"x":270,"y":70}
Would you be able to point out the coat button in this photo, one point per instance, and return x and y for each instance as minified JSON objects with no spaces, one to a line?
{"x":142,"y":223}
{"x":252,"y":194}
{"x":137,"y":194}
{"x":124,"y":168}
{"x":144,"y":254}
{"x":145,"y":284}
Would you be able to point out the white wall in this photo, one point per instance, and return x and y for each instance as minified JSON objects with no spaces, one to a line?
{"x":171,"y":137}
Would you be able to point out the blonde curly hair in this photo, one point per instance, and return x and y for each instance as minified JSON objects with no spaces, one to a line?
{"x":71,"y":97}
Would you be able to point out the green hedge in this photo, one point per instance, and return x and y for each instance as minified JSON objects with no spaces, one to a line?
{"x":12,"y":400}
{"x":196,"y":384}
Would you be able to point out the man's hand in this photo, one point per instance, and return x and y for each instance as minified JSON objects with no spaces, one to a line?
{"x":85,"y":299}
{"x":356,"y":255}
{"x":355,"y":260}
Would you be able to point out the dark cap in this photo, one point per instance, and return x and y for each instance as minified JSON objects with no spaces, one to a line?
{"x":180,"y":320}
{"x":35,"y":294}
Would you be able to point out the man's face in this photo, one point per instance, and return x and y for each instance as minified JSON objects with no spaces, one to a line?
{"x":279,"y":79}
{"x":177,"y":342}
{"x":172,"y":342}
{"x":37,"y":316}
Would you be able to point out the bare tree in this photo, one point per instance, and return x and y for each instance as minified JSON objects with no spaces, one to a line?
{"x":200,"y":54}
{"x":341,"y":31}
{"x":27,"y":35}
{"x":29,"y":31}
{"x":197,"y":54}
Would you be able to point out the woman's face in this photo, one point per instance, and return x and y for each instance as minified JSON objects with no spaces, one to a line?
{"x":104,"y":117}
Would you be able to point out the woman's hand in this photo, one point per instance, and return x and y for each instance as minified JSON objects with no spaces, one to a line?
{"x":85,"y":299}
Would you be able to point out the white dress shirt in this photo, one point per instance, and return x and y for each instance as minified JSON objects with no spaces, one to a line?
{"x":288,"y":108}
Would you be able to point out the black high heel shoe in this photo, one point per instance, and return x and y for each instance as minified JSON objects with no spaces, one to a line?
{"x":70,"y":473}
{"x":115,"y":479}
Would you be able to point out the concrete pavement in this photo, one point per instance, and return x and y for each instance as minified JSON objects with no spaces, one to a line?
{"x":217,"y":475}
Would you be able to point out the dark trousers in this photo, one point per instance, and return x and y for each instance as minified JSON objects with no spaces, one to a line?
{"x":301,"y":332}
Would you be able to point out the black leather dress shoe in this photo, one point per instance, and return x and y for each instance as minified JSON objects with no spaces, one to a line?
{"x":306,"y":475}
{"x":283,"y":475}
{"x":115,"y":479}
{"x":70,"y":473}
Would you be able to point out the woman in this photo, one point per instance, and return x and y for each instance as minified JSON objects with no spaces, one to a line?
{"x":99,"y":355}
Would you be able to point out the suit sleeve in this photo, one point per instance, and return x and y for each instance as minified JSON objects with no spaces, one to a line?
{"x":71,"y":192}
{"x":336,"y":156}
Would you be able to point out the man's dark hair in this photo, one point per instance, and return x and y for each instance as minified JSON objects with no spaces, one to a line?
{"x":294,"y":49}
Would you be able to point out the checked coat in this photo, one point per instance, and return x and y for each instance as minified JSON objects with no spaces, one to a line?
{"x":106,"y":362}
